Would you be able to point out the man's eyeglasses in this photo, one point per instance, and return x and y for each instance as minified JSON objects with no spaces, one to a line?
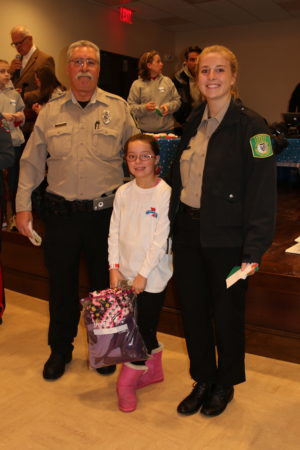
{"x":15,"y":44}
{"x":79,"y":62}
{"x":130,"y":157}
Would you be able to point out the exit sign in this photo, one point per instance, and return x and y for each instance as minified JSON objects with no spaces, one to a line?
{"x":126,"y":15}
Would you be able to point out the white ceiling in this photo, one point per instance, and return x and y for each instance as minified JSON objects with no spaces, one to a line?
{"x":188,"y":15}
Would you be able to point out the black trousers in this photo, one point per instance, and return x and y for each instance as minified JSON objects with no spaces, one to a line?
{"x":213,"y":316}
{"x":149,"y":306}
{"x":67,"y":237}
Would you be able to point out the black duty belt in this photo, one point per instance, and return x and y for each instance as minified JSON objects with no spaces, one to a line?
{"x":194,"y":213}
{"x":56,"y":204}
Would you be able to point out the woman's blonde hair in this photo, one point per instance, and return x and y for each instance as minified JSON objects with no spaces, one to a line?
{"x":146,"y":58}
{"x":231,"y":58}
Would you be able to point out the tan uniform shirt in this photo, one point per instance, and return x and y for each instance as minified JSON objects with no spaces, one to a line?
{"x":82,"y":147}
{"x":193,"y":158}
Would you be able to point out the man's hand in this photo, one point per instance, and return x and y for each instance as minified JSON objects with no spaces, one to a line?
{"x":23,"y":218}
{"x":139,"y":284}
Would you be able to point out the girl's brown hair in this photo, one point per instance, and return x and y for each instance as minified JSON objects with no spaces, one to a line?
{"x":145,"y":138}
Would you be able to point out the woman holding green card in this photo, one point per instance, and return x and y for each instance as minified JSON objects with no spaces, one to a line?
{"x":153,"y":98}
{"x":223,"y":213}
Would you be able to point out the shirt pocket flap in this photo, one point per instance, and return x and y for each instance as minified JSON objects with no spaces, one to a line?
{"x":106,"y":131}
{"x":58,"y":131}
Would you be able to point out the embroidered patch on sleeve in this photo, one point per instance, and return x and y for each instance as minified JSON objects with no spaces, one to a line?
{"x":261,"y":146}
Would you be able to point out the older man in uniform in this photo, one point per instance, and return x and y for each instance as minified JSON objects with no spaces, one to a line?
{"x":80,"y":136}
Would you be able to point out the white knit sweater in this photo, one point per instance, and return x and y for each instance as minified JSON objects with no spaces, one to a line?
{"x":138,"y":234}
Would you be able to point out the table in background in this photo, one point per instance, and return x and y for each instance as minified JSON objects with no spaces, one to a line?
{"x":288,"y":163}
{"x":168,"y":150}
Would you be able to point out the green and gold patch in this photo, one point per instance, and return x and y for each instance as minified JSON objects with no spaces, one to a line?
{"x":261,"y":146}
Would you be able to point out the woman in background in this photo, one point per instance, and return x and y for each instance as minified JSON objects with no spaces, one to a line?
{"x":153,"y":97}
{"x":223,"y":213}
{"x":48,"y":87}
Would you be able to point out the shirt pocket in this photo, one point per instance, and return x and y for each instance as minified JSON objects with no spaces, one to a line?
{"x":59,"y":141}
{"x":105,"y":143}
{"x":185,"y":166}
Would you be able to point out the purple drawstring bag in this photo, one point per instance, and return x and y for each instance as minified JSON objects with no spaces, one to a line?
{"x":113,"y":335}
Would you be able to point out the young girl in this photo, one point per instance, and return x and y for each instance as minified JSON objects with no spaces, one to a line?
{"x":137,"y":243}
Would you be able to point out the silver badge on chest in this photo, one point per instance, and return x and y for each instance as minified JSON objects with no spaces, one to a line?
{"x":106,"y":117}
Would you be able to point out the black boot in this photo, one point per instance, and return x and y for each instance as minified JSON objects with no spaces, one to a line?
{"x":192,"y":403}
{"x":217,"y":401}
{"x":55,"y":365}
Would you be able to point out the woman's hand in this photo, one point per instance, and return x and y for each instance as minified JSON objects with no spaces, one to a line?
{"x":164,"y":110}
{"x":114,"y":277}
{"x":150,"y":106}
{"x":245,"y":264}
{"x":139,"y":284}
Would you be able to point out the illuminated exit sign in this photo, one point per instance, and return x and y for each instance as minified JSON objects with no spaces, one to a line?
{"x":126,"y":15}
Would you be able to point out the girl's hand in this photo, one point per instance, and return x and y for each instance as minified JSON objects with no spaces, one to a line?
{"x":139,"y":284}
{"x":36,"y":107}
{"x":8,"y":116}
{"x":150,"y":106}
{"x":164,"y":110}
{"x":114,"y":277}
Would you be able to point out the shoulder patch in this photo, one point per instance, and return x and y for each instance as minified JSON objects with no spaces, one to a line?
{"x":261,"y":146}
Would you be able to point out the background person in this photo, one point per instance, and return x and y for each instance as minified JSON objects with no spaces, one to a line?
{"x":294,"y":103}
{"x":138,"y":236}
{"x":48,"y":87}
{"x":153,"y":97}
{"x":223,"y":212}
{"x":185,"y":80}
{"x":7,"y":157}
{"x":23,"y":67}
{"x":11,"y":108}
{"x":80,"y":135}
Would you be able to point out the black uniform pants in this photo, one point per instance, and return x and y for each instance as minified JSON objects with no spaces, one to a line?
{"x":67,"y":237}
{"x":212,"y":315}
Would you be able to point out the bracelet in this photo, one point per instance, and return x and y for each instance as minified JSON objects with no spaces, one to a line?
{"x":113,"y":266}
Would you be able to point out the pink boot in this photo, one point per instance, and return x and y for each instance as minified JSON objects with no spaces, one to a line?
{"x":127,"y":384}
{"x":155,"y":371}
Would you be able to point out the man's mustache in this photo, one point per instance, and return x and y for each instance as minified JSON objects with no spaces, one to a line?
{"x":84,"y":74}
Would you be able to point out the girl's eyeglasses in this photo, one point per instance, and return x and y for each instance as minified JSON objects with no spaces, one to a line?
{"x":131,"y":157}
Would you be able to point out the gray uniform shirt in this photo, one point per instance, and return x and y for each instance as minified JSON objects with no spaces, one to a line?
{"x":193,"y":158}
{"x":82,"y":148}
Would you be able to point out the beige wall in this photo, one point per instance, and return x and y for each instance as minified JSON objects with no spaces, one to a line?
{"x":269,"y":58}
{"x":57,"y":23}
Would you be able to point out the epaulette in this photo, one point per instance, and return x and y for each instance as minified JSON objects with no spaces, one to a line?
{"x":114,"y":96}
